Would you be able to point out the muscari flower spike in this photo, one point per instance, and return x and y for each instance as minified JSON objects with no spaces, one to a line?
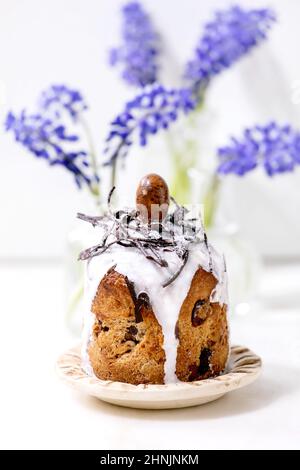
{"x":60,"y":98}
{"x":152,"y":110}
{"x":137,"y":56}
{"x":45,"y":135}
{"x":229,"y":36}
{"x":276,"y":148}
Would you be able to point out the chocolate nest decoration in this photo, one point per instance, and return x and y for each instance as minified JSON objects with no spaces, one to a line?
{"x":124,"y":227}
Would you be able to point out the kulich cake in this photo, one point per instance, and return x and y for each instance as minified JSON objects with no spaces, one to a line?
{"x":155,"y":294}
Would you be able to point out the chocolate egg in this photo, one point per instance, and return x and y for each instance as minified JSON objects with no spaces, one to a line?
{"x":152,"y":198}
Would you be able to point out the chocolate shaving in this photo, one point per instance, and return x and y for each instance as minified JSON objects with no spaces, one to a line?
{"x":124,"y":228}
{"x":175,"y":275}
{"x":110,"y":195}
{"x":95,"y":251}
{"x":209,"y":253}
{"x":92,"y":220}
{"x":157,"y":258}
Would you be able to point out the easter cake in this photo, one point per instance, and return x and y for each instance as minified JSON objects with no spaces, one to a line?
{"x":155,"y":294}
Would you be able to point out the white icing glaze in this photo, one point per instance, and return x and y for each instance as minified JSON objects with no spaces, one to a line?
{"x":148,"y":277}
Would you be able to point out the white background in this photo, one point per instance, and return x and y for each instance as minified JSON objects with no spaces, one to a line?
{"x":48,"y":41}
{"x":66,"y":42}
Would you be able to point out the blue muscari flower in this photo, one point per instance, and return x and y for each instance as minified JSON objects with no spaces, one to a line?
{"x":138,"y":53}
{"x":152,"y":110}
{"x":228,"y":37}
{"x":45,"y":135}
{"x":276,"y":148}
{"x":60,"y":98}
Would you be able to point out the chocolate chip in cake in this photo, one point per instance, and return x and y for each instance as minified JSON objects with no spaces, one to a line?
{"x":200,"y":312}
{"x":194,"y":372}
{"x":97,"y":327}
{"x":131,"y":333}
{"x":141,"y":301}
{"x":204,"y":361}
{"x":132,"y":330}
{"x":197,"y":372}
{"x":104,"y":328}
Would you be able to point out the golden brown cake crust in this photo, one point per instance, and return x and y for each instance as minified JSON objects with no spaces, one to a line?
{"x":127,"y":342}
{"x":202,"y":332}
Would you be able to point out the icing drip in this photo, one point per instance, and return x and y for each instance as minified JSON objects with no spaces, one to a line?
{"x":148,"y":277}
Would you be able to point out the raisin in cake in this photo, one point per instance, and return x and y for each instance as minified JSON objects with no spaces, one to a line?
{"x":155,"y":296}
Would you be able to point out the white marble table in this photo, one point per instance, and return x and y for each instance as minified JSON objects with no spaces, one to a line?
{"x":39,"y":412}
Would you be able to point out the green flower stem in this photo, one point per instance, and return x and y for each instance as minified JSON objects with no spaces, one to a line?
{"x":113,"y":174}
{"x":95,"y":192}
{"x":182,"y":161}
{"x":211,"y":200}
{"x":180,"y":184}
{"x":185,"y":159}
{"x":94,"y":189}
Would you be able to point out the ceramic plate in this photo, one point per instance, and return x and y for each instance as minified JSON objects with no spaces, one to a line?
{"x":243,"y":368}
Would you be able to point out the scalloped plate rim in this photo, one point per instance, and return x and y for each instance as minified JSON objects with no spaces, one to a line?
{"x":243,"y":368}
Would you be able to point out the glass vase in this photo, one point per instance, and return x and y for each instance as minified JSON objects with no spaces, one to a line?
{"x":243,"y":263}
{"x":80,"y":237}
